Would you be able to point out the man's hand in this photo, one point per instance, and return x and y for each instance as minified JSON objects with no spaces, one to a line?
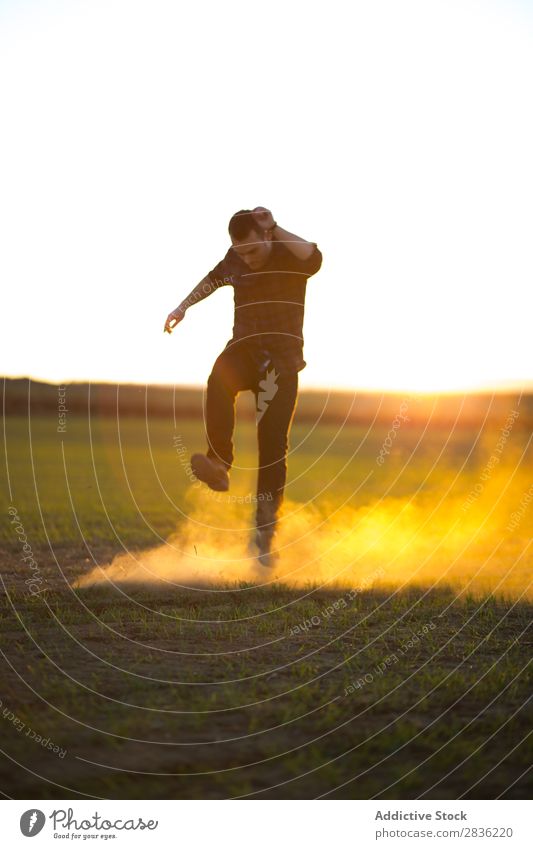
{"x":264,"y":218}
{"x":173,"y":319}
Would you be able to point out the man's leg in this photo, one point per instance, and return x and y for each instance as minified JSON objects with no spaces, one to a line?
{"x":273,"y":438}
{"x":232,"y":373}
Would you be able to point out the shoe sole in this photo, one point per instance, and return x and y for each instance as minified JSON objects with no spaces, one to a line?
{"x":203,"y":470}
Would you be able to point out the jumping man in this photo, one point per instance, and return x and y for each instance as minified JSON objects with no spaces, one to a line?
{"x":268,"y":268}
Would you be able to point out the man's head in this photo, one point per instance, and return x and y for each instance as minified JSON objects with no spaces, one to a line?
{"x":248,"y":239}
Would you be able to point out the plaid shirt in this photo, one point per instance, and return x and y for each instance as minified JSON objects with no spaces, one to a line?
{"x":269,"y":304}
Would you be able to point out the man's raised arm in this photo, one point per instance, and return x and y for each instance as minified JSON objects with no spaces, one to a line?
{"x":204,"y":288}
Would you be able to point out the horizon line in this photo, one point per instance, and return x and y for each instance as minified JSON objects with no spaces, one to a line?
{"x":500,"y":388}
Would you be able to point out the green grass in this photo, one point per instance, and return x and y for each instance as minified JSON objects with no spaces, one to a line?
{"x":107,"y":482}
{"x":233,"y":709}
{"x":163,"y":692}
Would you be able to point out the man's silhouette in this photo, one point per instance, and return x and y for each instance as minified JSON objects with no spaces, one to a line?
{"x":268,"y":268}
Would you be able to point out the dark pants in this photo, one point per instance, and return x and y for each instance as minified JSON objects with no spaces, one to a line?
{"x":236,"y":370}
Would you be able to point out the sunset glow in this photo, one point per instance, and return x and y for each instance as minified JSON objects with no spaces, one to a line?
{"x":407,"y":160}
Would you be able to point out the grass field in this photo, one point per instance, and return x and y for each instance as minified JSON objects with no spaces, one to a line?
{"x":146,"y":655}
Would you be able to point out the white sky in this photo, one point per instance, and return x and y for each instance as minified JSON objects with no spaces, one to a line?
{"x":397,"y":135}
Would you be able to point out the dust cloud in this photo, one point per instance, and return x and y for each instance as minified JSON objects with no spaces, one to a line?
{"x":461,"y":536}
